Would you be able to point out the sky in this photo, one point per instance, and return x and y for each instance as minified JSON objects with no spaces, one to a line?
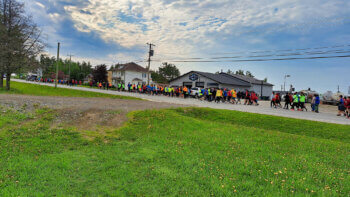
{"x":116,"y":31}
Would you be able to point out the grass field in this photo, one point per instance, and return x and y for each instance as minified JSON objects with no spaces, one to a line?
{"x":175,"y":152}
{"x":38,"y":90}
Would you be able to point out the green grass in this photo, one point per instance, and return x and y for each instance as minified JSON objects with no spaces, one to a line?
{"x":39,"y":90}
{"x":175,"y":152}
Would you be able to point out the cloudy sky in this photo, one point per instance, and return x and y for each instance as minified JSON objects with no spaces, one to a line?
{"x":207,"y":32}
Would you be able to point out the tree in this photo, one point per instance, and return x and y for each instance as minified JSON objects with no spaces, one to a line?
{"x":78,"y":71}
{"x":20,"y":40}
{"x":249,"y":74}
{"x":169,"y":71}
{"x":265,"y":80}
{"x":229,"y":72}
{"x":240,"y":72}
{"x":165,"y":73}
{"x":158,"y":78}
{"x":100,"y":73}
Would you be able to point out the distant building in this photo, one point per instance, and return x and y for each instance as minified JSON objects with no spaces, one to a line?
{"x":223,"y":80}
{"x":128,"y":73}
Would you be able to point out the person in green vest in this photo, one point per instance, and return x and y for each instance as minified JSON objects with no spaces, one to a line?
{"x":119,"y":86}
{"x":123,"y":87}
{"x":302,"y":102}
{"x":295,"y":101}
{"x":139,"y":88}
{"x":210,"y":94}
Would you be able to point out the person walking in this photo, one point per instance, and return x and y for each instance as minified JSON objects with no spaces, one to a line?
{"x":287,"y":101}
{"x":218,"y":96}
{"x":341,"y":106}
{"x":295,"y":102}
{"x":347,"y":106}
{"x":302,"y":102}
{"x":185,"y":90}
{"x":317,"y":102}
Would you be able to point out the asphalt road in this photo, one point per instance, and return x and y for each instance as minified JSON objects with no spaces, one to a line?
{"x":328,"y":113}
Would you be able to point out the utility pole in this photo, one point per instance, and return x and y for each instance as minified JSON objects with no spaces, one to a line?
{"x":150,"y":54}
{"x":70,"y":62}
{"x":58,"y":59}
{"x":285,"y":78}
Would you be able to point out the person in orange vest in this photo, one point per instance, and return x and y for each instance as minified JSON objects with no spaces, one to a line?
{"x":100,"y":85}
{"x":185,"y":91}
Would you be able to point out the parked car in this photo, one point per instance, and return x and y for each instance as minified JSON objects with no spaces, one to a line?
{"x":194,"y":92}
{"x":32,"y":78}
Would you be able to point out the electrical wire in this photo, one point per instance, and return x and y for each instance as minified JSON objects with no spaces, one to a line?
{"x":255,"y":60}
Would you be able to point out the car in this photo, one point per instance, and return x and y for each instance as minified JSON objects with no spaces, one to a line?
{"x":32,"y":78}
{"x":194,"y":92}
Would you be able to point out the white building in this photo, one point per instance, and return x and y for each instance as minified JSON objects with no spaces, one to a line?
{"x":223,"y":80}
{"x":130,"y":73}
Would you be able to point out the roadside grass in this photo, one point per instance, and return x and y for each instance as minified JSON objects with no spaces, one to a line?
{"x":175,"y":152}
{"x":39,"y":90}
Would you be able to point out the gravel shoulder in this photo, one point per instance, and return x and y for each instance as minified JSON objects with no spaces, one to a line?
{"x":327,"y":113}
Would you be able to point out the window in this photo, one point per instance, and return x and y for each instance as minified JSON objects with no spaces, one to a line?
{"x":122,"y":73}
{"x":144,"y":75}
{"x":212,"y":85}
{"x":200,"y":84}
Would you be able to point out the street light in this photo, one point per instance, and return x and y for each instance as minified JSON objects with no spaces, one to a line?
{"x":285,"y":79}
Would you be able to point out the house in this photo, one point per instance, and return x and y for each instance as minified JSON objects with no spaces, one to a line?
{"x":223,"y":80}
{"x":128,"y":73}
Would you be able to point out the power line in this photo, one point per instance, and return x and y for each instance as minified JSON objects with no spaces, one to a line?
{"x":257,"y":60}
{"x":270,"y":51}
{"x":270,"y":55}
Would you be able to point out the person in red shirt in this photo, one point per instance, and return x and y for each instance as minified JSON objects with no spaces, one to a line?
{"x":254,"y":98}
{"x":347,"y":106}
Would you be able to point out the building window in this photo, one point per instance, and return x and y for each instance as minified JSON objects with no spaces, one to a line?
{"x":122,"y":73}
{"x":144,"y":75}
{"x":200,"y":84}
{"x":212,"y":85}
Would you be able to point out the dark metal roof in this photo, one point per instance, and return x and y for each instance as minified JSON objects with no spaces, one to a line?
{"x":224,"y":79}
{"x":220,"y":79}
{"x":230,"y":79}
{"x":250,"y":80}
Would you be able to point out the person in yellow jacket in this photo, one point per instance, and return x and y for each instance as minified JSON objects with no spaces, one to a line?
{"x":218,"y":96}
{"x":234,"y":96}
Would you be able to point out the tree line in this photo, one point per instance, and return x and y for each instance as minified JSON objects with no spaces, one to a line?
{"x":67,"y":69}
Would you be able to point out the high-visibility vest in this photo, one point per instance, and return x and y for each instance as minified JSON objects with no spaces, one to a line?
{"x":123,"y":86}
{"x":234,"y":94}
{"x":295,"y":99}
{"x":302,"y":99}
{"x":218,"y":93}
{"x":119,"y":85}
{"x":209,"y":93}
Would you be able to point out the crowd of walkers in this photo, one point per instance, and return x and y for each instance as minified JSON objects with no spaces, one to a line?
{"x":218,"y":95}
{"x":295,"y":101}
{"x":344,"y":106}
{"x":298,"y":100}
{"x":71,"y":82}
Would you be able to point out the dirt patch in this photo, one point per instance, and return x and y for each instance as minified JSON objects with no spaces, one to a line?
{"x":93,"y":117}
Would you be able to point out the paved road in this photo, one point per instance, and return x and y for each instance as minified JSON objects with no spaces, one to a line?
{"x":326,"y":116}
